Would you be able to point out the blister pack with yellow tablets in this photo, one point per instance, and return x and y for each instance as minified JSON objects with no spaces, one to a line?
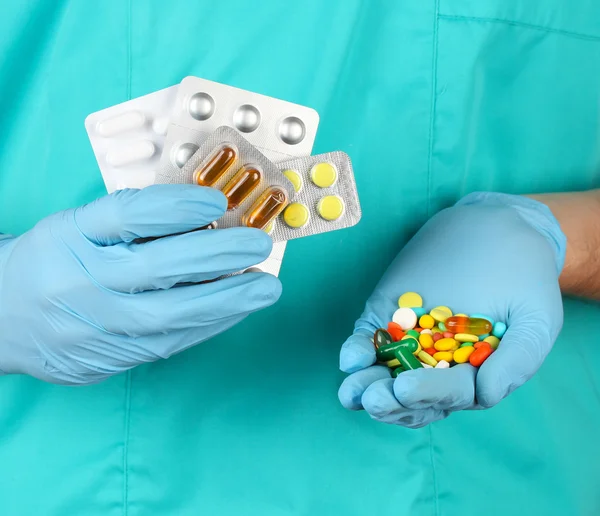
{"x":325,"y":199}
{"x":257,"y":192}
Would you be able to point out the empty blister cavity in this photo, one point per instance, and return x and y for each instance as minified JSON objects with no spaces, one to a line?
{"x":161,"y":126}
{"x":139,"y":150}
{"x":291,"y":130}
{"x":201,"y":106}
{"x":266,"y":208}
{"x":216,"y":165}
{"x":241,"y":185}
{"x":246,"y":118}
{"x":182,"y":153}
{"x":122,"y":123}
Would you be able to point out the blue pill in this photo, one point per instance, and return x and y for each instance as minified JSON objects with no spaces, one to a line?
{"x":481,"y":316}
{"x":419,"y":312}
{"x":499,"y":330}
{"x":484,"y":336}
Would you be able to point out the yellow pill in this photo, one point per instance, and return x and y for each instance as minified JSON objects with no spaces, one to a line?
{"x":426,"y":340}
{"x":393,"y":363}
{"x":460,"y":315}
{"x":445,"y":344}
{"x":426,"y":358}
{"x":410,"y":300}
{"x":296,"y":215}
{"x":443,"y":355}
{"x":323,"y":175}
{"x":441,"y":313}
{"x":295,"y":179}
{"x":426,"y":321}
{"x":435,"y":329}
{"x":492,"y":341}
{"x":331,"y":207}
{"x":466,"y":337}
{"x":461,"y":355}
{"x":419,"y":349}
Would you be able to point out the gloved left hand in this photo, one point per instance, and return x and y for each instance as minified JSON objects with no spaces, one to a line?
{"x":494,"y":254}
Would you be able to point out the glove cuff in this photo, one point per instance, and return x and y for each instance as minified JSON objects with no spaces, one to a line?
{"x":4,"y":241}
{"x":534,"y":213}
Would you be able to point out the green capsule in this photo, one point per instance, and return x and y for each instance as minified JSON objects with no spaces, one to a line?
{"x":413,"y":333}
{"x":397,"y":371}
{"x":386,"y":352}
{"x":407,"y":359}
{"x":382,"y":338}
{"x":464,"y":344}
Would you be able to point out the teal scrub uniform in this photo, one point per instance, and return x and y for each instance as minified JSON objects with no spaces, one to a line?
{"x":432,"y":100}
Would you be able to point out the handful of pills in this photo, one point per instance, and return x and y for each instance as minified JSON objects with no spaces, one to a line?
{"x":437,"y":339}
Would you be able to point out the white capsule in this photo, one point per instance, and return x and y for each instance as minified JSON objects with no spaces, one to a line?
{"x":442,"y":364}
{"x":121,"y":123}
{"x":135,"y":151}
{"x":160,"y":126}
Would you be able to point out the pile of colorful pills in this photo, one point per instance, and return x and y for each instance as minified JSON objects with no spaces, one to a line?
{"x":437,"y":339}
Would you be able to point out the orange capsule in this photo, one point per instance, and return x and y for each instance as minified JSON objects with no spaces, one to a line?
{"x":472,"y":326}
{"x":213,"y":168}
{"x":241,"y":185}
{"x":480,"y":355}
{"x":268,"y":206}
{"x":396,"y":331}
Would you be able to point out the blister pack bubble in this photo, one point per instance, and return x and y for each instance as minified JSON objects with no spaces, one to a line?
{"x":128,"y":138}
{"x":227,"y":161}
{"x":326,"y":198}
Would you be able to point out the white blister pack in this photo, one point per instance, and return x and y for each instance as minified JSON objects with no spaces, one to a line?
{"x":128,"y":138}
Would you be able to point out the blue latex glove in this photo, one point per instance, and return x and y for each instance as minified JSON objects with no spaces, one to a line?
{"x":80,"y":301}
{"x":494,"y":254}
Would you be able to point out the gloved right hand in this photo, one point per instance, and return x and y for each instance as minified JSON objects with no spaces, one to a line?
{"x":81,"y":301}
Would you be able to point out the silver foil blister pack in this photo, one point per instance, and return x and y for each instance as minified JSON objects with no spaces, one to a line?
{"x":227,"y":162}
{"x":326,"y":197}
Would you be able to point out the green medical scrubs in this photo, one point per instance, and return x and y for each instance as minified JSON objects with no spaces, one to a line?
{"x":432,"y":99}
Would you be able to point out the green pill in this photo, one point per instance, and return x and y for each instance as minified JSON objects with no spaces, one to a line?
{"x":386,"y":352}
{"x":382,"y":338}
{"x":397,"y":371}
{"x":442,"y":326}
{"x":466,"y":344}
{"x":413,"y":333}
{"x":407,"y":359}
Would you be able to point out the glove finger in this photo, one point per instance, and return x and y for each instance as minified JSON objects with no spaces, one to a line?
{"x":524,"y":347}
{"x":443,"y":389}
{"x":189,"y":258}
{"x":381,"y":404}
{"x":354,"y":386}
{"x":357,"y":353}
{"x":154,"y":211}
{"x":160,"y":311}
{"x":92,"y":361}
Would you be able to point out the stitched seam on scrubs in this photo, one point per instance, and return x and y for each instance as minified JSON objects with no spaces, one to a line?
{"x":433,"y":473}
{"x":128,"y":373}
{"x":532,"y":26}
{"x":434,"y":64}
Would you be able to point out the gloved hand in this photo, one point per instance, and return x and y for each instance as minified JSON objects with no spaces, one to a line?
{"x":80,"y":301}
{"x":493,"y":254}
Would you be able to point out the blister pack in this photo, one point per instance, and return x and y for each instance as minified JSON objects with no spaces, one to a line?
{"x":296,"y":198}
{"x":128,"y":138}
{"x":326,"y":198}
{"x":257,"y":192}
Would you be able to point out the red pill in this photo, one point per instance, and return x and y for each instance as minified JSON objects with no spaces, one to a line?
{"x":478,"y":344}
{"x":431,"y":351}
{"x":437,"y":336}
{"x":417,"y":329}
{"x":396,"y":331}
{"x":480,"y":355}
{"x":448,"y":335}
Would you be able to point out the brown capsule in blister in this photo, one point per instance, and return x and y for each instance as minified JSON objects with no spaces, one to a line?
{"x":217,"y":164}
{"x":268,"y":206}
{"x":241,"y":185}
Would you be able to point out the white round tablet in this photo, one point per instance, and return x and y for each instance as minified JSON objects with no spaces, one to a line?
{"x":426,"y":332}
{"x":406,"y":318}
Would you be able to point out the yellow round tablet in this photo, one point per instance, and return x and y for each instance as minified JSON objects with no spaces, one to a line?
{"x":410,"y":300}
{"x":323,"y":175}
{"x":331,"y":207}
{"x":295,"y":179}
{"x":296,"y":215}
